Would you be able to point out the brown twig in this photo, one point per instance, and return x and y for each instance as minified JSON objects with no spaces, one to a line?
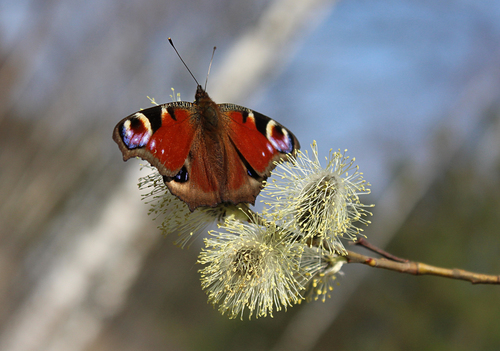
{"x":417,"y":268}
{"x":364,"y":243}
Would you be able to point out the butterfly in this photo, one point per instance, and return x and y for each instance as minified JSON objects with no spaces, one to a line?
{"x":207,"y":153}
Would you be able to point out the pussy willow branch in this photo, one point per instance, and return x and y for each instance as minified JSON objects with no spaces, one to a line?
{"x":418,"y":268}
{"x":394,"y":263}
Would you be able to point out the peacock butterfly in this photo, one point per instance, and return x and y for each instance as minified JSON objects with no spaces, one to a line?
{"x":207,"y":153}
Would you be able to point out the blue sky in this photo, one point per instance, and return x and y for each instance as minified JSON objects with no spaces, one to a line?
{"x":377,"y":77}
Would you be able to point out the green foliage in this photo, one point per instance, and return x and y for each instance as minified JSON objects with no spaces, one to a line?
{"x":456,"y":225}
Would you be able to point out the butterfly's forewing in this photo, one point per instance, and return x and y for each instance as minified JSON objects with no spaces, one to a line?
{"x":161,"y":135}
{"x":260,"y":139}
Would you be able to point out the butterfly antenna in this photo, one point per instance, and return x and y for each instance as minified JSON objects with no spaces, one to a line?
{"x":210,"y":66}
{"x":177,"y":52}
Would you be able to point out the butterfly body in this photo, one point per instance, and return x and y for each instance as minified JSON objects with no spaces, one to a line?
{"x":208,"y":153}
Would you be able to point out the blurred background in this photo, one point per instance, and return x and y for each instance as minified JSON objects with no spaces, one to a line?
{"x":410,"y":88}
